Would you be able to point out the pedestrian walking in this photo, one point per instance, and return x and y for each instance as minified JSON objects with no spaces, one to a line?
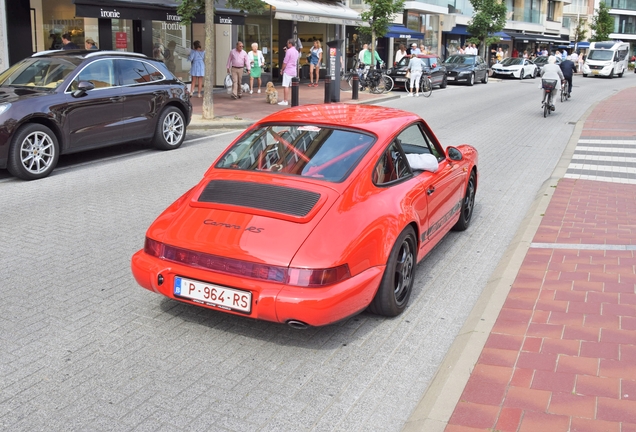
{"x":256,"y":63}
{"x":197,"y":71}
{"x":236,"y":61}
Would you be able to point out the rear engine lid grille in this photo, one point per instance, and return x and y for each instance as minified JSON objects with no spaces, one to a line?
{"x":279,"y":199}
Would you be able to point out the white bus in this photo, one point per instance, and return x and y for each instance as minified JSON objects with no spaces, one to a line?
{"x":606,"y":58}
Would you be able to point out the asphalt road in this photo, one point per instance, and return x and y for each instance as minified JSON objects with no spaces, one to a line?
{"x":82,"y":347}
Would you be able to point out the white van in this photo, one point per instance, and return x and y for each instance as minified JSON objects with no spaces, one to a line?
{"x":607,"y":58}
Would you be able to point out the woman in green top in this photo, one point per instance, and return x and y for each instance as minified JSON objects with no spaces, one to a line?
{"x":256,"y":63}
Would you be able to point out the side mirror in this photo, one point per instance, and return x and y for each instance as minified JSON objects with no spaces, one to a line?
{"x":82,"y":88}
{"x":454,"y":154}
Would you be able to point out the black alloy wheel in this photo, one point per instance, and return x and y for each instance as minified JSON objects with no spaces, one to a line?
{"x":397,"y":282}
{"x":468,"y":204}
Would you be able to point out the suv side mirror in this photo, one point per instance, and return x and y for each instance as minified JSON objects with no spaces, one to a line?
{"x":454,"y":154}
{"x":82,"y":88}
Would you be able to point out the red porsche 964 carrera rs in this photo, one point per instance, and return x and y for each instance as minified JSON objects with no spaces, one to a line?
{"x":312,"y":215}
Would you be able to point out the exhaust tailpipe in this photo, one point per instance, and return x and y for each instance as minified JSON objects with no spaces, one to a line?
{"x":298,"y":325}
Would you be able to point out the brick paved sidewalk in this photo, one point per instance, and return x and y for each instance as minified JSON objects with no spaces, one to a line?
{"x":562,"y":353}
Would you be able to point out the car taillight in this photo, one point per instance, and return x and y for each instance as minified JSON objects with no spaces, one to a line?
{"x":309,"y":278}
{"x":153,"y":248}
{"x":315,"y":278}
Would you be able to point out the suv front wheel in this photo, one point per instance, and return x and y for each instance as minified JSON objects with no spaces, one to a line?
{"x":34,"y":152}
{"x":171,"y":129}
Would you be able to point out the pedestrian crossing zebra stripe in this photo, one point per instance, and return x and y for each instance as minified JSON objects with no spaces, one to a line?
{"x":609,"y":160}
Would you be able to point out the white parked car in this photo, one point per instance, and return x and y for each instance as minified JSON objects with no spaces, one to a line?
{"x":516,"y":67}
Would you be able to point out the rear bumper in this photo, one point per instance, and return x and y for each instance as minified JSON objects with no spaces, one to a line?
{"x":270,"y":301}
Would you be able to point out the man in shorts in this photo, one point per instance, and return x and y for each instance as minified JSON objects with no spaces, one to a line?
{"x":290,"y":66}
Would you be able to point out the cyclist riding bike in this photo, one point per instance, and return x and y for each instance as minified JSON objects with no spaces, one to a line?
{"x":568,"y":68}
{"x":552,"y":71}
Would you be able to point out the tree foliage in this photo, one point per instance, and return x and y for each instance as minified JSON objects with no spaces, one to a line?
{"x":602,"y":23}
{"x":379,"y":16}
{"x":580,"y":32}
{"x":489,"y":17}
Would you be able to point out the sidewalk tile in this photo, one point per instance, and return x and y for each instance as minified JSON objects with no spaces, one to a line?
{"x":509,"y":327}
{"x":598,"y":386}
{"x":538,"y":421}
{"x":522,"y":378}
{"x":603,"y":277}
{"x":617,"y":369}
{"x":567,"y":318}
{"x":490,"y":373}
{"x":590,"y":268}
{"x":587,"y":425}
{"x":602,"y":321}
{"x":627,"y":337}
{"x":558,"y":285}
{"x":618,"y":309}
{"x":581,"y":333}
{"x":602,"y":350}
{"x":509,"y":419}
{"x":538,"y":361}
{"x":573,"y":405}
{"x":628,"y":353}
{"x":628,"y":323}
{"x":578,"y":365}
{"x":527,"y":293}
{"x":577,"y":296}
{"x":627,"y":298}
{"x":499,"y":357}
{"x":584,"y":307}
{"x":519,"y":303}
{"x":602,"y":297}
{"x":532,"y":344}
{"x":520,"y":315}
{"x":505,"y":342}
{"x":546,"y":297}
{"x":628,"y":389}
{"x":553,"y":381}
{"x":584,"y":285}
{"x":459,"y":428}
{"x":562,"y":267}
{"x":560,"y":346}
{"x":474,"y":415}
{"x":527,"y":399}
{"x":479,"y":392}
{"x":540,"y":317}
{"x":554,"y":331}
{"x":616,"y":410}
{"x":628,"y":427}
{"x":619,"y":287}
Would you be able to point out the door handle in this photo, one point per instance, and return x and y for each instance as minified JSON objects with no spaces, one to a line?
{"x":430,"y":190}
{"x":116,"y":99}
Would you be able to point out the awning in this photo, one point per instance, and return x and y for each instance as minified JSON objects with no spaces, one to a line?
{"x":459,"y":29}
{"x":152,"y":10}
{"x":533,"y":37}
{"x":582,"y":45}
{"x":322,"y":12}
{"x":402,"y":32}
{"x":503,"y":36}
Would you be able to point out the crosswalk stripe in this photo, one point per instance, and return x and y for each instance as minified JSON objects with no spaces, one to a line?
{"x":609,"y":160}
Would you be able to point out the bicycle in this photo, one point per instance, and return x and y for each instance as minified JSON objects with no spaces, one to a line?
{"x":376,"y":80}
{"x":426,"y":86}
{"x":565,"y":91}
{"x":548,"y":88}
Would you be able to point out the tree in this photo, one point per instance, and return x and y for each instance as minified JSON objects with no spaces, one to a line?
{"x":187,"y":10}
{"x":379,"y":16}
{"x":489,"y":18}
{"x":602,"y":23}
{"x":580,"y":32}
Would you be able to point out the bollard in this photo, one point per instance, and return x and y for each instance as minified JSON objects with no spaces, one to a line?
{"x":294,"y":91}
{"x":355,"y":81}
{"x":327,"y":89}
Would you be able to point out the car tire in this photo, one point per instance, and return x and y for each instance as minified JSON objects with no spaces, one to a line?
{"x":397,"y":282}
{"x":584,"y":75}
{"x":485,"y":79}
{"x":170,"y":130}
{"x":34,"y":152}
{"x":620,"y":75}
{"x":444,"y":83}
{"x":611,"y":75}
{"x":535,"y":74}
{"x":471,"y":80}
{"x":468,"y":204}
{"x":521,"y":74}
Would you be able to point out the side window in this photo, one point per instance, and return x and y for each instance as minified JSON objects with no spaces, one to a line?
{"x":133,"y":72}
{"x":391,"y":166}
{"x":414,"y":140}
{"x":101,"y":73}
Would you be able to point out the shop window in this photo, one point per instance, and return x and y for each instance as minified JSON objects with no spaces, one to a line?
{"x":551,"y":10}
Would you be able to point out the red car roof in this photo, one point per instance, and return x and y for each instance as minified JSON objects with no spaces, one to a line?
{"x":376,"y":119}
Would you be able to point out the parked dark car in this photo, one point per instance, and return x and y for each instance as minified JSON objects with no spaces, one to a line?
{"x":61,"y":102}
{"x":466,"y":68}
{"x":433,"y":67}
{"x":541,"y":61}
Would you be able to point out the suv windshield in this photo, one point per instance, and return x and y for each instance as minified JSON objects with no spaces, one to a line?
{"x":307,"y":151}
{"x":47,"y":73}
{"x":603,"y":55}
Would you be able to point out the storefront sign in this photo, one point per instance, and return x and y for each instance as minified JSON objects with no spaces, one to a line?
{"x":229,"y":19}
{"x":121,"y":40}
{"x":141,"y":12}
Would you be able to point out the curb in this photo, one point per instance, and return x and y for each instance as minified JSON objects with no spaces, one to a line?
{"x":198,"y":123}
{"x":440,"y":399}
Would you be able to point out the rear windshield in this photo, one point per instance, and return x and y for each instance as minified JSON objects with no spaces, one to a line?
{"x":601,"y":55}
{"x":307,"y":151}
{"x":44,"y":73}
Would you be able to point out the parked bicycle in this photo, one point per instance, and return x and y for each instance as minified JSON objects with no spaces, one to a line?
{"x":376,"y":80}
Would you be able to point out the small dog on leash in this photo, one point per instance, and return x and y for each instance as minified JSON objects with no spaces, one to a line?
{"x":271,"y":94}
{"x":245,"y":88}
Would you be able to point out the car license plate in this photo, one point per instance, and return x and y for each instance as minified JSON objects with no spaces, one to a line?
{"x":214,"y":295}
{"x":450,"y":78}
{"x":594,"y":72}
{"x":401,"y":79}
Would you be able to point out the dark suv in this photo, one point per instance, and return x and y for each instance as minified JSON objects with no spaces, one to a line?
{"x":62,"y":102}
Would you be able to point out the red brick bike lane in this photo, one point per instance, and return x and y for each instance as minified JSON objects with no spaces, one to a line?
{"x":562,"y":353}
